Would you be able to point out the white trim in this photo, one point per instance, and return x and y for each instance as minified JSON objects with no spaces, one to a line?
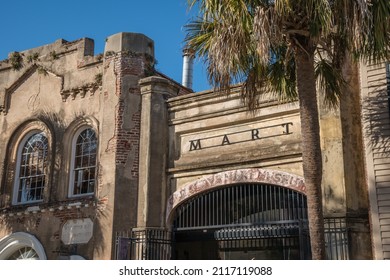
{"x":16,"y":185}
{"x":376,"y":239}
{"x":11,"y":243}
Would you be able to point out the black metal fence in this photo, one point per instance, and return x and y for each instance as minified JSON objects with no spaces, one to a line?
{"x":336,"y":238}
{"x":143,"y":244}
{"x":156,"y":244}
{"x":282,"y":240}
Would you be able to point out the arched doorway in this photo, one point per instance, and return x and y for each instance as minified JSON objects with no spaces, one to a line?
{"x":242,"y":221}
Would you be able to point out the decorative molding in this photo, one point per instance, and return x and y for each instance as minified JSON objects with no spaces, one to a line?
{"x":81,"y":90}
{"x":5,"y":101}
{"x":26,"y":210}
{"x":65,"y":93}
{"x":214,"y":181}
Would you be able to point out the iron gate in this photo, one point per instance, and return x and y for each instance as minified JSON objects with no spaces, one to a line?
{"x":241,"y":204}
{"x":247,"y":217}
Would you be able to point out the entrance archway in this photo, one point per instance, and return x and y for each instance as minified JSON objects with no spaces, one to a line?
{"x":244,"y":220}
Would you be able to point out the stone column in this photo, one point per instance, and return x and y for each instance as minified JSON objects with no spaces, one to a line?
{"x":357,"y":201}
{"x":152,"y":187}
{"x":344,"y":188}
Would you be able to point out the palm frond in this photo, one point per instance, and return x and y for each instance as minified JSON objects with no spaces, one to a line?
{"x":223,"y":36}
{"x":252,"y":41}
{"x":330,"y":81}
{"x":281,"y":76}
{"x":377,"y":41}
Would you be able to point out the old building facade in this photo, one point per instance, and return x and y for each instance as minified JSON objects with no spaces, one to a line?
{"x":102,"y":157}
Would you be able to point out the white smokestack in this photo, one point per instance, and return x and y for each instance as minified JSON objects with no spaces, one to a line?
{"x":188,"y":66}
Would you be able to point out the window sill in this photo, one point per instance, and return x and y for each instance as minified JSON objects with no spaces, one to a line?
{"x":27,"y":209}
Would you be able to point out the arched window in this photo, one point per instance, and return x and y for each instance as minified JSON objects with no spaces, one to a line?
{"x":83,"y":164}
{"x":31,"y":168}
{"x":21,"y":246}
{"x":24,"y":253}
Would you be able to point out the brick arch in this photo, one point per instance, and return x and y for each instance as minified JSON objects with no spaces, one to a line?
{"x":252,"y":175}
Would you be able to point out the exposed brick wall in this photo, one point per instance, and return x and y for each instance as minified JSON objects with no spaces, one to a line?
{"x":128,"y":64}
{"x":135,"y":141}
{"x":126,"y":141}
{"x":70,"y":214}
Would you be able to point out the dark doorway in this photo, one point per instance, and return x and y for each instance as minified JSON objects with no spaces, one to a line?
{"x":192,"y":245}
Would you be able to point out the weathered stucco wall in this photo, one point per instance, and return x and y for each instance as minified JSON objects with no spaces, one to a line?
{"x":210,"y":133}
{"x":56,"y":87}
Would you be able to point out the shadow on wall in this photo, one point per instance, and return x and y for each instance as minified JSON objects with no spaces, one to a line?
{"x":376,"y":120}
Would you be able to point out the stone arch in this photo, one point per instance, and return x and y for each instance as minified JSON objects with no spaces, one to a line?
{"x":84,"y":121}
{"x":250,"y":175}
{"x":18,"y":240}
{"x":71,"y":130}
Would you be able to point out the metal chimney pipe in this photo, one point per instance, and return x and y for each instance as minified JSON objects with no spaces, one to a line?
{"x":188,"y":67}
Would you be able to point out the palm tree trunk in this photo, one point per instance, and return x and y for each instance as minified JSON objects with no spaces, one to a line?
{"x":311,"y":148}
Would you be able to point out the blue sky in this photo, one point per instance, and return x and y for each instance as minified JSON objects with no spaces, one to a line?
{"x":31,"y":23}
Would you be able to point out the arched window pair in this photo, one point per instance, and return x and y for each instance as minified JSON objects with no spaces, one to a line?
{"x":32,"y":166}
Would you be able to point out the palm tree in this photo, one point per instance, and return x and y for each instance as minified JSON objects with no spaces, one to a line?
{"x":285,"y":47}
